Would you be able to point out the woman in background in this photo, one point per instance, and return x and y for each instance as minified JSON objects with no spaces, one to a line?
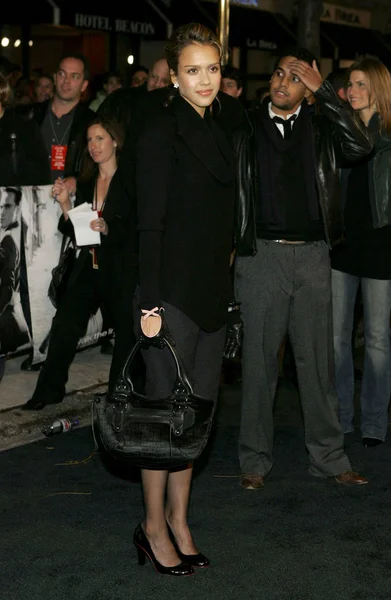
{"x":364,"y":259}
{"x":103,"y":275}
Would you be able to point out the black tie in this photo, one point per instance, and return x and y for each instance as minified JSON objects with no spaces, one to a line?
{"x":287,"y":124}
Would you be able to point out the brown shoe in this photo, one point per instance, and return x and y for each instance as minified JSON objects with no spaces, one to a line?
{"x":350,"y":478}
{"x":251,"y":482}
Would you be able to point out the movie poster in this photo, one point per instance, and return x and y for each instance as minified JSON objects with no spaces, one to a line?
{"x":32,"y":241}
{"x":14,"y":330}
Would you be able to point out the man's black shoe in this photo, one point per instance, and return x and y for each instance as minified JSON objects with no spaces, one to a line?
{"x":27,"y":365}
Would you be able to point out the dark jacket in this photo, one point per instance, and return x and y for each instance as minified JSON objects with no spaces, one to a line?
{"x":23,"y":159}
{"x":379,"y":165}
{"x":76,"y":143}
{"x":117,"y":253}
{"x":185,"y":192}
{"x":337,"y":139}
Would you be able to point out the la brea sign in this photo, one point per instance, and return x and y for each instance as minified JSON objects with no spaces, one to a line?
{"x":346,"y":16}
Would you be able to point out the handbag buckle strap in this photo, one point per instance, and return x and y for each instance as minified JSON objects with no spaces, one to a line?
{"x":118,"y":416}
{"x":182,"y":418}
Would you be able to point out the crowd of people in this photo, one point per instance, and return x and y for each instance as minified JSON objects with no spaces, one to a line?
{"x":240,"y":226}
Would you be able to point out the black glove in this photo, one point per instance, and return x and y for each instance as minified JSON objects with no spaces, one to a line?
{"x":234,"y":336}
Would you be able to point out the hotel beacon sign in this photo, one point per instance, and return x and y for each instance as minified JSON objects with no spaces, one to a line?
{"x":99,"y":23}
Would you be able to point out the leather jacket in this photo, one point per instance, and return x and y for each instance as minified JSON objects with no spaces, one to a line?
{"x":336,"y":139}
{"x":379,"y":164}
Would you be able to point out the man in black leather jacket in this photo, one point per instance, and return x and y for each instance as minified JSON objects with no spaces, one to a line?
{"x":289,"y":215}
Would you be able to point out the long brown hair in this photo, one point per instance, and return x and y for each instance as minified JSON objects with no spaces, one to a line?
{"x":379,"y":87}
{"x":89,"y":168}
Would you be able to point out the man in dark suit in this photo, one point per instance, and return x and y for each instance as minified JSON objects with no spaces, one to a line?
{"x":289,"y":216}
{"x":64,"y":119}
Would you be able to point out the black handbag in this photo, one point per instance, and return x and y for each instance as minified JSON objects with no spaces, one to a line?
{"x":154,"y":433}
{"x":62,"y":272}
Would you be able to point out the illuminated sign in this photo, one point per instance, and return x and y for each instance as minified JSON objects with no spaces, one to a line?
{"x":100,"y":23}
{"x":346,"y":16}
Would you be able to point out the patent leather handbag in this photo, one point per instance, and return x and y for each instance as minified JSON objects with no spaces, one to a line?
{"x":154,"y":433}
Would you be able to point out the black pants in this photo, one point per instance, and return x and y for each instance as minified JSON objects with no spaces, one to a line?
{"x":82,"y":299}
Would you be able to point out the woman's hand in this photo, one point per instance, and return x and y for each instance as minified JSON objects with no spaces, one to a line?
{"x":151,"y":322}
{"x":60,"y":192}
{"x":100,"y":225}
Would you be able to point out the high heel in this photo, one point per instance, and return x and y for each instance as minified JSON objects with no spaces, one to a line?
{"x":195,"y":560}
{"x":144,"y":549}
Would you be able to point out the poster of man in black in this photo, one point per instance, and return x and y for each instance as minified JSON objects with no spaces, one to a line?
{"x":13,"y":328}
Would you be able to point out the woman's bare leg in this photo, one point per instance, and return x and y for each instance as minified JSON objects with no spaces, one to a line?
{"x":155,"y":525}
{"x":178,"y":492}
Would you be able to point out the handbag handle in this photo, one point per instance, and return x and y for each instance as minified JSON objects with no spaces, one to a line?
{"x":124,"y":384}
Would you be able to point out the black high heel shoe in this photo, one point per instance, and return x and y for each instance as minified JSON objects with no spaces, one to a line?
{"x":144,"y":549}
{"x":195,"y":560}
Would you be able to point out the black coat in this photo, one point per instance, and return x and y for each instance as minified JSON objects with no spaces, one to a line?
{"x":136,"y":108}
{"x":77,"y":134}
{"x":186,"y":195}
{"x":23,"y":159}
{"x":117,"y":253}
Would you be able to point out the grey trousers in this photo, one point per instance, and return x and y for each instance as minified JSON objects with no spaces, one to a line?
{"x":286,"y":289}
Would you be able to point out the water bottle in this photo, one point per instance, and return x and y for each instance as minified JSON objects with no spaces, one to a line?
{"x":60,"y":426}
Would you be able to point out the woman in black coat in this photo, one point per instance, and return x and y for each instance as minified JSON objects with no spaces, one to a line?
{"x":103,"y":275}
{"x":185,"y":188}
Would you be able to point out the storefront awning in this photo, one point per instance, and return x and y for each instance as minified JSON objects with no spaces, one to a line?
{"x":260,"y":30}
{"x":140,"y":17}
{"x":252,"y":28}
{"x":344,"y":42}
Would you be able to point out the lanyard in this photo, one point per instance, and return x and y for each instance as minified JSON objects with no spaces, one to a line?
{"x":59,"y":142}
